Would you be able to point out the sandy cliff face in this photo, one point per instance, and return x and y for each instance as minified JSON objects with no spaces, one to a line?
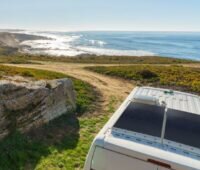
{"x":26,"y":104}
{"x":7,"y":39}
{"x":14,"y":39}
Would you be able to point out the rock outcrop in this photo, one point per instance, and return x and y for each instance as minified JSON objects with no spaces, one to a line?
{"x":8,"y":39}
{"x":26,"y":104}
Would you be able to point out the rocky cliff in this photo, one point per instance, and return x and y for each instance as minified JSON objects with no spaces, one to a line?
{"x":8,"y":39}
{"x":10,"y":43}
{"x":26,"y":104}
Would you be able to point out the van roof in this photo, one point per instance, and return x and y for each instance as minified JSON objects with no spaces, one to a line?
{"x":174,"y":99}
{"x":140,"y":120}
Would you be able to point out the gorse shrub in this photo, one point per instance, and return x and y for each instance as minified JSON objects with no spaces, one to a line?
{"x":27,"y":74}
{"x":176,"y":77}
{"x":146,"y":74}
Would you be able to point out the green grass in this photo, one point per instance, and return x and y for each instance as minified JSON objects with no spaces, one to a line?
{"x":26,"y":72}
{"x":85,"y":92}
{"x":61,"y":144}
{"x":5,"y":51}
{"x":174,"y":77}
{"x":18,"y":58}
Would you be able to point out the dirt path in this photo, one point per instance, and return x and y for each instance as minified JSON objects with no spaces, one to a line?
{"x":109,"y":87}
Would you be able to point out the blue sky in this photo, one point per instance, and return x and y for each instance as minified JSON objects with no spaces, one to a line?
{"x":74,"y":15}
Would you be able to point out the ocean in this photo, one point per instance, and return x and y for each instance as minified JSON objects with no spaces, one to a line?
{"x":168,"y":44}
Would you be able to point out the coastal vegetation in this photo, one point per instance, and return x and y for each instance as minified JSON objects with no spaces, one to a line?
{"x":19,"y":58}
{"x":64,"y":142}
{"x":85,"y":92}
{"x":61,"y":144}
{"x":173,"y":77}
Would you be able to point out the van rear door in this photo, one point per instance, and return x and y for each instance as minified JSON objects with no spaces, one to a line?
{"x":109,"y":160}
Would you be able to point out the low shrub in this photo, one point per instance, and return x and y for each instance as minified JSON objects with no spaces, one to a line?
{"x":175,"y":77}
{"x":146,"y":74}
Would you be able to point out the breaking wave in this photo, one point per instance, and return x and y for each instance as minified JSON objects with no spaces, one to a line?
{"x":57,"y":44}
{"x":169,"y":44}
{"x":113,"y":52}
{"x":97,"y":42}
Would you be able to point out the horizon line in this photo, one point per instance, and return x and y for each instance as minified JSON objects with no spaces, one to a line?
{"x":98,"y":30}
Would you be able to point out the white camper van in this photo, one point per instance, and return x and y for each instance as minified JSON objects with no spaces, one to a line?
{"x":154,"y":129}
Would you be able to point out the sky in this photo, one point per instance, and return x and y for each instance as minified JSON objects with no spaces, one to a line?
{"x":112,"y":15}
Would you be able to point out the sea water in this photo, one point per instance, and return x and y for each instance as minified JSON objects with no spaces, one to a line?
{"x":167,"y":44}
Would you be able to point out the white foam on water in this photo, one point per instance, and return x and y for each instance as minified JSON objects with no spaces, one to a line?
{"x":97,"y":42}
{"x":46,"y":44}
{"x":67,"y":53}
{"x":61,"y":45}
{"x":111,"y":52}
{"x":58,"y":45}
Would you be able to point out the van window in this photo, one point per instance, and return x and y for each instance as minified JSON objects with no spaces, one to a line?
{"x":142,"y":118}
{"x":183,"y":127}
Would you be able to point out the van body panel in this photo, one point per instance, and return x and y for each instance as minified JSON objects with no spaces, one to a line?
{"x":104,"y":159}
{"x":111,"y":152}
{"x":145,"y":152}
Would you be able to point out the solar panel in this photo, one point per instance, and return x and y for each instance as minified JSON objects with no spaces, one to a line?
{"x":142,"y":118}
{"x":183,"y":127}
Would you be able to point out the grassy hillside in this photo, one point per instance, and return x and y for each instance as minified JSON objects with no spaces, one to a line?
{"x":174,"y":77}
{"x":5,"y":51}
{"x":84,"y":90}
{"x":26,"y":58}
{"x":61,"y":144}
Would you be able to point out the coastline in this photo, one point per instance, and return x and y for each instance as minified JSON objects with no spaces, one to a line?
{"x":69,"y":45}
{"x":73,"y":44}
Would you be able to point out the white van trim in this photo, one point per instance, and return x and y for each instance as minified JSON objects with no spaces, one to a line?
{"x":114,"y":139}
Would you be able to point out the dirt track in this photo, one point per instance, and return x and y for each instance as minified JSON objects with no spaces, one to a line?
{"x":109,"y":87}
